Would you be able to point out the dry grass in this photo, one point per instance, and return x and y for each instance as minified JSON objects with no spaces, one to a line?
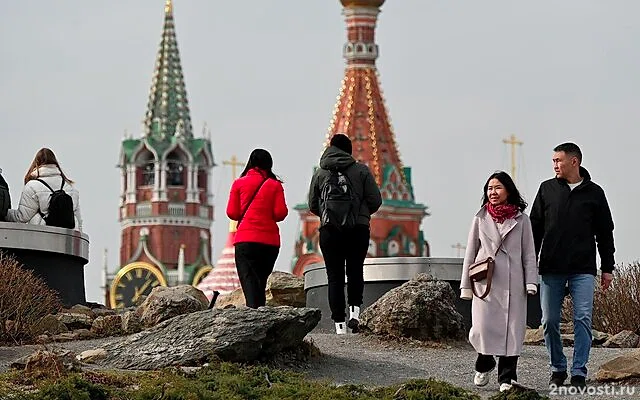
{"x":24,"y":300}
{"x":615,"y":309}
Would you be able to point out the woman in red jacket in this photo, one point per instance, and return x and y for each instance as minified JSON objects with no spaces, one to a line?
{"x":257,"y":202}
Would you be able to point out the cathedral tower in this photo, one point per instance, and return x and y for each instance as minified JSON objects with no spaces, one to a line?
{"x":360,"y":113}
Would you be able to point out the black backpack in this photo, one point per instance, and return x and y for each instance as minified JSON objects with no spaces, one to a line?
{"x":60,"y":208}
{"x":339,"y":205}
{"x":5,"y":199}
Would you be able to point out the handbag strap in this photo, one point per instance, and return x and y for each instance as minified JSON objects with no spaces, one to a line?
{"x":250,"y":201}
{"x":489,"y":279}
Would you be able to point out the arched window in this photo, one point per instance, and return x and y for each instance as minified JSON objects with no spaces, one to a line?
{"x":148,"y":173}
{"x":176,"y":171}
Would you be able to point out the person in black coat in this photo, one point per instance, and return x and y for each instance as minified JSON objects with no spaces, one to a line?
{"x":570,"y":217}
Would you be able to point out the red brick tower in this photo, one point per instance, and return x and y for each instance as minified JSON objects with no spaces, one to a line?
{"x":165,"y":194}
{"x":360,"y":113}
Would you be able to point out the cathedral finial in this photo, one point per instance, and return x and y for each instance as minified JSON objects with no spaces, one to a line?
{"x":168,"y":7}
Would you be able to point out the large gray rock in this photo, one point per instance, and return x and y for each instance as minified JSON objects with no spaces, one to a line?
{"x":422,"y":308}
{"x":167,"y":302}
{"x":233,"y":334}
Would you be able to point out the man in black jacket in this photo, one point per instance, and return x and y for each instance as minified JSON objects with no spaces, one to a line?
{"x":344,"y":246}
{"x":569,"y":216}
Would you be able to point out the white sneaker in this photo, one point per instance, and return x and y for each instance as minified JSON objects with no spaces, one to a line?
{"x":354,"y":312}
{"x":341,"y":328}
{"x":482,"y":378}
{"x":354,"y":319}
{"x":505,"y":386}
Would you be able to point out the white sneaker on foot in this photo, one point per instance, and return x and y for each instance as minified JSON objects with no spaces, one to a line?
{"x":505,"y":386}
{"x":482,"y":378}
{"x":341,"y":328}
{"x":354,"y":312}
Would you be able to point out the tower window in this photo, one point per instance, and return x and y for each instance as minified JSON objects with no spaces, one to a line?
{"x":175,"y":173}
{"x":148,"y":174}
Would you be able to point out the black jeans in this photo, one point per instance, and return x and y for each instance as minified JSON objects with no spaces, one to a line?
{"x":340,"y":250}
{"x":255,"y":262}
{"x":506,"y":366}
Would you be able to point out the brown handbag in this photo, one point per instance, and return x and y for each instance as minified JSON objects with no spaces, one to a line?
{"x":479,"y":271}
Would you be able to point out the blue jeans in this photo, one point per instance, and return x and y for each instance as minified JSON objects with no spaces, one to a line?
{"x":552,"y":290}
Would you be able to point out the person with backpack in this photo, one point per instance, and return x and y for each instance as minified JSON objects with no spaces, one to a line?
{"x":48,"y":197}
{"x":257,"y":203}
{"x":344,"y":194}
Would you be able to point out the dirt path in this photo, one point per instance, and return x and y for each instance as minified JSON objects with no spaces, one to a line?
{"x":373,"y":362}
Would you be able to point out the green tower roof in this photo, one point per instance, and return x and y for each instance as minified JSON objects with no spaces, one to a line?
{"x":168,"y":109}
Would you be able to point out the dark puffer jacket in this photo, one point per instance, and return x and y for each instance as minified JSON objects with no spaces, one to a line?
{"x":362,"y":180}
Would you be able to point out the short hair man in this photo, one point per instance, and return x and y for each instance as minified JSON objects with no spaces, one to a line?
{"x":344,"y":246}
{"x":569,"y":216}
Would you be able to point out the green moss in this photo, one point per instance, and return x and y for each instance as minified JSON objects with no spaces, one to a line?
{"x":218,"y":381}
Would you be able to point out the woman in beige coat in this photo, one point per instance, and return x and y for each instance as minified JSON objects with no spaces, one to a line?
{"x":498,"y":321}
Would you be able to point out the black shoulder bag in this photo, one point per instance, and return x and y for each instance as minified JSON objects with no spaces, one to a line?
{"x":250,"y":201}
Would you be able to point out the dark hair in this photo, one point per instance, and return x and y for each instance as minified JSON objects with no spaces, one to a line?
{"x":571,"y":149}
{"x":513,"y":195}
{"x":342,"y":142}
{"x":261,"y":159}
{"x":44,"y":156}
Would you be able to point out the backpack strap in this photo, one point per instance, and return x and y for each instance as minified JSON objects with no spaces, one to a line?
{"x":62,"y":184}
{"x":46,"y":184}
{"x":250,"y":201}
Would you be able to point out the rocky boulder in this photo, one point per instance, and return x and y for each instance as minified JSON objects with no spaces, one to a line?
{"x":108,"y":325}
{"x":234,"y":299}
{"x":623,"y":339}
{"x":167,"y":302}
{"x":626,"y":366}
{"x":422,"y":308}
{"x":284,"y":289}
{"x":232,"y":334}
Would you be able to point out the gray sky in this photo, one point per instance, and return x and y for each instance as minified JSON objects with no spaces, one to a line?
{"x":458,"y":77}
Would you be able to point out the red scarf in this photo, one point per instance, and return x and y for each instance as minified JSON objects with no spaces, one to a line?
{"x":502,"y":212}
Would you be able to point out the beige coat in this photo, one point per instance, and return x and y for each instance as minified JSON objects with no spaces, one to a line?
{"x":498,"y":322}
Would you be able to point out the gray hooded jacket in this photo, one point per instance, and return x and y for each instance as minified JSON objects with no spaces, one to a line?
{"x":362,"y":180}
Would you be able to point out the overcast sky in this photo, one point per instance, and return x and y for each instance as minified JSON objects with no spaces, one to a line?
{"x":458,"y":77}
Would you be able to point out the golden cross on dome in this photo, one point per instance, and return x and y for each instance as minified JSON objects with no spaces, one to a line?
{"x":233,"y":162}
{"x":513,"y":141}
{"x":459,"y":247}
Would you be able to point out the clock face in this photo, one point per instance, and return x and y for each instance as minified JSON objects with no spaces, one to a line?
{"x":134,"y":281}
{"x":200,"y":275}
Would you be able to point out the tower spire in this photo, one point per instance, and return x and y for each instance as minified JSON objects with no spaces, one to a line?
{"x":168,"y":108}
{"x":360,"y":112}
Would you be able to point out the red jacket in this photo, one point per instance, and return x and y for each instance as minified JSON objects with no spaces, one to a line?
{"x":259,"y":224}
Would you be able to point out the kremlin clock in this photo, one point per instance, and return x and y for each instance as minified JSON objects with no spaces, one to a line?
{"x":132,"y":282}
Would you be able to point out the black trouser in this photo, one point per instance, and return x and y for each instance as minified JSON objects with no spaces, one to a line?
{"x":255,"y":262}
{"x":339,"y":249}
{"x":506,"y":366}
